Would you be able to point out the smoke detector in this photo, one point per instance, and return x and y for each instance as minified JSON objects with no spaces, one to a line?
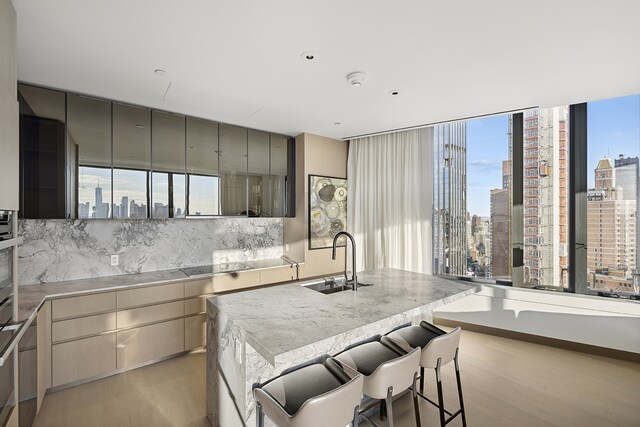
{"x":356,"y":78}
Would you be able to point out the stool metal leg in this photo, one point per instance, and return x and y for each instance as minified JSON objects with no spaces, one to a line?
{"x":356,"y":416}
{"x":389,"y":405}
{"x":259,"y":416}
{"x":464,"y":419}
{"x":414,"y":391}
{"x":440,"y":398}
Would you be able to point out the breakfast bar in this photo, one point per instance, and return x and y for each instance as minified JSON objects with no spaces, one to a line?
{"x":255,"y":335}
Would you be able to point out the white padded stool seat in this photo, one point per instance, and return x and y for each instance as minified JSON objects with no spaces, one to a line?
{"x":437,"y":349}
{"x":387,"y":372}
{"x":317,"y":394}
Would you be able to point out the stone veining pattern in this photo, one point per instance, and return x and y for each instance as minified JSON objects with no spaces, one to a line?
{"x":58,"y":250}
{"x":282,"y":326}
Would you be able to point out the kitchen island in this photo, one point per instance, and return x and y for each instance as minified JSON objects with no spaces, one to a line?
{"x":255,"y":335}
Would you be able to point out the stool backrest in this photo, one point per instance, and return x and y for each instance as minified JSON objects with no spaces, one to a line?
{"x":335,"y":408}
{"x":397,"y":373}
{"x":443,"y":347}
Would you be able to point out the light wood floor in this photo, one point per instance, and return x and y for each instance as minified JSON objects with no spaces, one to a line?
{"x":505,"y":383}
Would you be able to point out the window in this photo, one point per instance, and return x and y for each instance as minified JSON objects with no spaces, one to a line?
{"x":472,"y":198}
{"x":613,"y":196}
{"x":94,"y":192}
{"x":203,"y":195}
{"x":467,"y":155}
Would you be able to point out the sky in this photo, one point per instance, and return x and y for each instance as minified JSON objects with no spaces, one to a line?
{"x":613,"y":129}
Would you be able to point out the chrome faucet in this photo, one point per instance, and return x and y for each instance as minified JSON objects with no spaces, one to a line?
{"x":354,"y":278}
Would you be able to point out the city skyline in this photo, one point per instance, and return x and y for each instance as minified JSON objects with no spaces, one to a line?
{"x":614,"y":129}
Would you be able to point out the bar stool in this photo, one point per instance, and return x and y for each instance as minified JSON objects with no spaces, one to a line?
{"x":438,"y":349}
{"x":387,"y":372}
{"x":315,"y":394}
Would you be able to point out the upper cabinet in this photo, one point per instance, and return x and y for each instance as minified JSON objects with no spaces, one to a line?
{"x":8,"y":109}
{"x":84,"y":157}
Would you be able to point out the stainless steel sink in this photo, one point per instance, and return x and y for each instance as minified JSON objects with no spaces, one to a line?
{"x":330,"y":285}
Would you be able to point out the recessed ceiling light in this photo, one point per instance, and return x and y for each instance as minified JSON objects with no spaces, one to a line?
{"x":337,"y":123}
{"x":308,"y":56}
{"x":160,"y":72}
{"x":139,"y":126}
{"x":356,"y":78}
{"x":394,"y":92}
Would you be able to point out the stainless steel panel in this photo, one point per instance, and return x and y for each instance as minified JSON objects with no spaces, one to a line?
{"x":6,"y":275}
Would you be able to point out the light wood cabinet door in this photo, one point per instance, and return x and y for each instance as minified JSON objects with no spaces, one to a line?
{"x":85,"y":358}
{"x":10,"y":154}
{"x":44,"y":350}
{"x":237,"y":280}
{"x":151,"y":314}
{"x":196,"y":305}
{"x":84,"y":305}
{"x":150,"y":295}
{"x":82,"y":327}
{"x":28,"y":377}
{"x":195,"y":332}
{"x":277,"y":275}
{"x":149,"y":343}
{"x":198,"y":287}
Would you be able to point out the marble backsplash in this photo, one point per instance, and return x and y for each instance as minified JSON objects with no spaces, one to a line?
{"x":56,"y":250}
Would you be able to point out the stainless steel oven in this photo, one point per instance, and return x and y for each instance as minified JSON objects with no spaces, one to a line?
{"x":6,"y":225}
{"x":6,"y":282}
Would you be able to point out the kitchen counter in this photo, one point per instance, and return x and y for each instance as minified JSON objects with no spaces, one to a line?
{"x":31,"y":297}
{"x":259,"y":333}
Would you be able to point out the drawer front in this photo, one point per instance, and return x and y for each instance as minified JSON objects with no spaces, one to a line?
{"x":195,"y":331}
{"x":198,"y":287}
{"x":154,"y":313}
{"x":277,"y":275}
{"x":150,"y":295}
{"x":82,"y":327}
{"x":229,"y":282}
{"x":85,"y":358}
{"x":149,"y":343}
{"x":82,"y":306}
{"x":196,"y":305}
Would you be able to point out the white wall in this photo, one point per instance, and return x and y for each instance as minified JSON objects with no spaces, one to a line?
{"x":582,"y":319}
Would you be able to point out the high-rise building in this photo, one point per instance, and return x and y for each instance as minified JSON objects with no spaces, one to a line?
{"x":611,"y":231}
{"x":83,"y":210}
{"x":500,"y":267}
{"x":628,"y":181}
{"x":450,"y":199}
{"x":124,"y":207}
{"x":545,"y":193}
{"x":100,"y":209}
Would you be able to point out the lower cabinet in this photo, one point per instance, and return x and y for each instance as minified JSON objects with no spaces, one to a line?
{"x":84,"y":358}
{"x":149,"y":343}
{"x":195,"y":331}
{"x":83,"y":337}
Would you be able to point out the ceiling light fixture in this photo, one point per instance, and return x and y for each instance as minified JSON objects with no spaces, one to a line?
{"x":356,"y":78}
{"x":308,"y":56}
{"x":394,"y":92}
{"x":337,"y":123}
{"x":139,"y":126}
{"x":160,"y":72}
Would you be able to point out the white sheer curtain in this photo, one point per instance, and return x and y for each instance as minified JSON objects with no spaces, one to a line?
{"x":390,"y":181}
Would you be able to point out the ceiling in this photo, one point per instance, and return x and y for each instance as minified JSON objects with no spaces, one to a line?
{"x":240,"y":62}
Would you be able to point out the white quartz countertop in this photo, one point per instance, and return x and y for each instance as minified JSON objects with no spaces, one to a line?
{"x":30,"y":297}
{"x":283,"y":318}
